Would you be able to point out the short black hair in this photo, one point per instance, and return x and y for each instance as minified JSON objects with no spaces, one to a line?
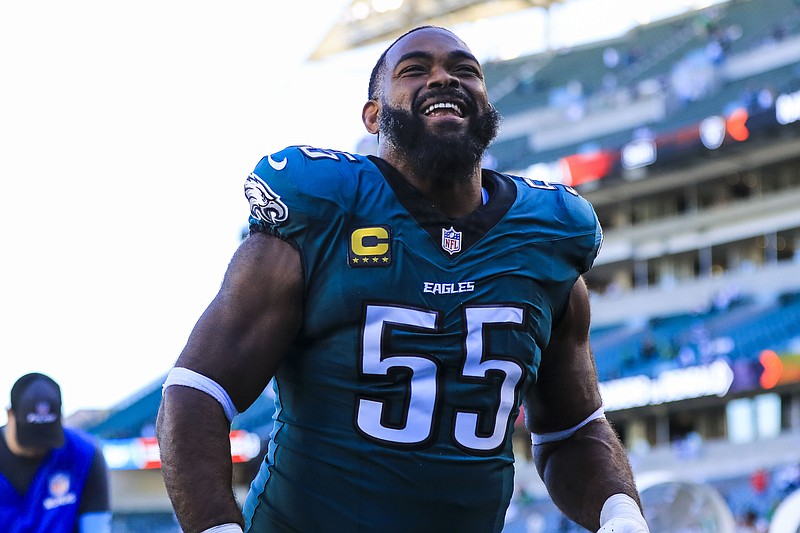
{"x":377,"y":70}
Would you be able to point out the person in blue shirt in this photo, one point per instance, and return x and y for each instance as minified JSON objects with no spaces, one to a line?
{"x":405,"y":308}
{"x":52,"y":478}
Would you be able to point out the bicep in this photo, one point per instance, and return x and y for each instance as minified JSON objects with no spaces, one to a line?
{"x":244,"y":333}
{"x":566,"y":390}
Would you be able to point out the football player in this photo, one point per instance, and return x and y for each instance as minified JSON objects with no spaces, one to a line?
{"x":406,"y":305}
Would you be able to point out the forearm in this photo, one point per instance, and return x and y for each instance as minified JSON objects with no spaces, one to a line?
{"x":581,"y":472}
{"x":193,"y":436}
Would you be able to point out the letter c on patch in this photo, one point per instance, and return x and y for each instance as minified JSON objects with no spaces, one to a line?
{"x":370,"y":241}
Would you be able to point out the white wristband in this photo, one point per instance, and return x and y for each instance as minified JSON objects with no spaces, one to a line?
{"x":622,"y":506}
{"x":224,"y":528}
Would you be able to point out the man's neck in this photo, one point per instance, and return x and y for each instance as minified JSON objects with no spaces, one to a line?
{"x":454,"y":199}
{"x":20,"y":451}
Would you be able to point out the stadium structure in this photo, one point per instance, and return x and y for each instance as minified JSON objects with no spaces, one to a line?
{"x":685,"y":136}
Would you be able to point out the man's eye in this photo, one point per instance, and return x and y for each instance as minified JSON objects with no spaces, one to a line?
{"x":412,"y":69}
{"x":467,"y":69}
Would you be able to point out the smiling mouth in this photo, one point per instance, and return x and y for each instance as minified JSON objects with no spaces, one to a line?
{"x":443,"y":109}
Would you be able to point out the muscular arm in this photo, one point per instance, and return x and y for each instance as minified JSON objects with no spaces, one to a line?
{"x":582,"y":471}
{"x":238,"y":342}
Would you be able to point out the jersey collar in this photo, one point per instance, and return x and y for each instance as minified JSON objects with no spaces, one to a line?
{"x":502,"y":193}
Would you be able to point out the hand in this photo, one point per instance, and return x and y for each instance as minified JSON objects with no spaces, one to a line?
{"x":623,"y":525}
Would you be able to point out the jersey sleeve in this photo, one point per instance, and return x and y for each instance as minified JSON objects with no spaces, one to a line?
{"x":297,"y":192}
{"x":572,"y":227}
{"x":582,"y":217}
{"x":564,"y":216}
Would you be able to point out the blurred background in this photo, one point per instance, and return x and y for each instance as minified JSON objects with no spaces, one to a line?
{"x":680,"y":122}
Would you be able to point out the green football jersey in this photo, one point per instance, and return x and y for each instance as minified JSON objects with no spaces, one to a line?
{"x":396,"y":404}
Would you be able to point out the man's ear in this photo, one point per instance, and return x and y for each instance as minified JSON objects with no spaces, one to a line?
{"x":369,"y":116}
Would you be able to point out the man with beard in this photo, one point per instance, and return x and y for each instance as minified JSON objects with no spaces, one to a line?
{"x":407,"y":306}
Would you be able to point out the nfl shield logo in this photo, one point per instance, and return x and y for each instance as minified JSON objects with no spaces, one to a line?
{"x":58,"y":485}
{"x":451,"y":240}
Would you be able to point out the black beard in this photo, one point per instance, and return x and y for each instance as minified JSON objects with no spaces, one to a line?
{"x":446,"y":157}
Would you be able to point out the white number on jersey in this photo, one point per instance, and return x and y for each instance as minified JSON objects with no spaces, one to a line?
{"x":424,"y":393}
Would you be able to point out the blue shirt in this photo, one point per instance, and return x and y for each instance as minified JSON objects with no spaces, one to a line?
{"x":52,"y":501}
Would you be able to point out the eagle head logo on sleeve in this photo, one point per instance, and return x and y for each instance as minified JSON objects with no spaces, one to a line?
{"x":265,"y":205}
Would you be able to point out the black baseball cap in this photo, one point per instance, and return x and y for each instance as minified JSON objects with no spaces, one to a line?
{"x":36,"y":402}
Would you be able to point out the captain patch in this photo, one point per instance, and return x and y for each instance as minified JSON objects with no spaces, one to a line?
{"x":370,"y":247}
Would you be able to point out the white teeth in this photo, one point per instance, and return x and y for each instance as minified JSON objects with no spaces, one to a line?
{"x":443,"y":105}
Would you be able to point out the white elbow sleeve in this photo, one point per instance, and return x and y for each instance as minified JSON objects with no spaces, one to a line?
{"x":543,"y":438}
{"x":190,"y":378}
{"x":224,"y":528}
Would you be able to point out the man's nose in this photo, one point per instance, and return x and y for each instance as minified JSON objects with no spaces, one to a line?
{"x":441,"y":77}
